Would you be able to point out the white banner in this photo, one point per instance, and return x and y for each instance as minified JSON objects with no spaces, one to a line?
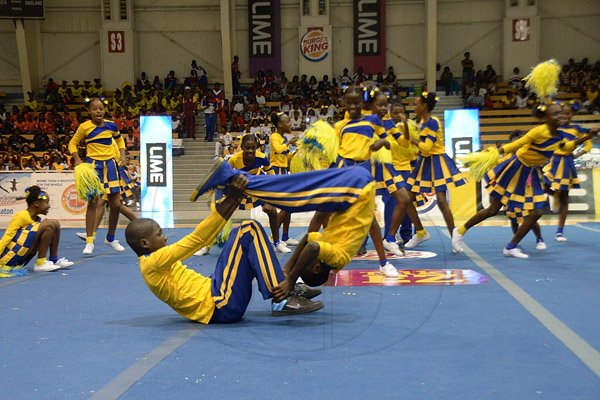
{"x":60,"y":186}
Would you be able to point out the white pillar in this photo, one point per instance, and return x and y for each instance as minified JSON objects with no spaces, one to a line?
{"x":226,"y":47}
{"x":26,"y":83}
{"x":431,"y":46}
{"x":117,"y":46}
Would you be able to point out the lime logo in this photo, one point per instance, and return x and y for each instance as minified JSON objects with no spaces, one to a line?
{"x":71,"y":202}
{"x":314,"y":45}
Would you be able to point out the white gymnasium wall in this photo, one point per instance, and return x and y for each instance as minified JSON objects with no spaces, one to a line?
{"x":570,"y":29}
{"x":9,"y":56}
{"x":169,"y":34}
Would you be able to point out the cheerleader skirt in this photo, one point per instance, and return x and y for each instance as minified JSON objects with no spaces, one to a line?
{"x":15,"y":253}
{"x":518,"y":187}
{"x":435,"y":173}
{"x":108,"y":172}
{"x":560,"y":173}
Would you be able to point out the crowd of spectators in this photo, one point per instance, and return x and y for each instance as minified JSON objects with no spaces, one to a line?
{"x":46,"y":122}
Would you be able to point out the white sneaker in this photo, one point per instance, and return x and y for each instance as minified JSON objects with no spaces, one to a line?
{"x":202,"y":252}
{"x":392,"y":247}
{"x":115,"y":245}
{"x":389,"y":270}
{"x":46,"y":267}
{"x":63,"y":263}
{"x":541,"y":245}
{"x":457,"y":241}
{"x":281,"y":247}
{"x":516,"y":252}
{"x":415,"y":240}
{"x":88,"y":249}
{"x":292,"y":242}
{"x":81,"y":235}
{"x":559,"y":237}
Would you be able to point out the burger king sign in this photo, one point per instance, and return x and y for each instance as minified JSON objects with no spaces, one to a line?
{"x":314,"y":45}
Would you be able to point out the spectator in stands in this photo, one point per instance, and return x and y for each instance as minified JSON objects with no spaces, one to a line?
{"x":522,"y":99}
{"x":515,"y":79}
{"x":391,"y":76}
{"x":40,"y":141}
{"x":489,"y":75}
{"x":87,"y":88}
{"x":468,"y":67}
{"x":446,"y":80}
{"x":3,"y":145}
{"x":15,"y":140}
{"x":97,"y":90}
{"x":359,"y":77}
{"x":31,"y":102}
{"x":592,"y":100}
{"x":77,"y":89}
{"x":131,"y":142}
{"x":236,"y":74}
{"x":171,"y":81}
{"x":224,"y":141}
{"x":260,"y":98}
{"x":509,"y":101}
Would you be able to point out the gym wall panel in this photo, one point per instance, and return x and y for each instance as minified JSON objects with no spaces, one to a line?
{"x":80,"y":59}
{"x":9,"y":55}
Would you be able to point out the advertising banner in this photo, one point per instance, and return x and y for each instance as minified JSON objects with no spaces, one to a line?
{"x":264,"y":35}
{"x":156,"y":165}
{"x":65,"y":206}
{"x":369,"y":36}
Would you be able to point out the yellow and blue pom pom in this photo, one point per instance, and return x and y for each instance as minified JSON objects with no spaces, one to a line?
{"x":544,"y":79}
{"x":87,"y":183}
{"x":481,"y":162}
{"x":223,"y":236}
{"x":316,"y":149}
{"x":12,"y":272}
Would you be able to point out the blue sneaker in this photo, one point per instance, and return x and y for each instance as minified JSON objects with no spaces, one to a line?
{"x":219,"y":175}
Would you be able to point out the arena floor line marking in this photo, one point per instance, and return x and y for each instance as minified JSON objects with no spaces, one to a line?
{"x":582,"y":349}
{"x":587,"y":228}
{"x":122,"y":382}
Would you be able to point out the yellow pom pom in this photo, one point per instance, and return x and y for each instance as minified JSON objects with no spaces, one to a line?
{"x":223,"y":236}
{"x":317,"y":147}
{"x":480,"y":163}
{"x":87,"y":183}
{"x":544,"y":79}
{"x":382,"y":156}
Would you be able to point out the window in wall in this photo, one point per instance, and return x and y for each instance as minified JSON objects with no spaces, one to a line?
{"x":123,"y":9}
{"x":305,"y":7}
{"x":322,"y":7}
{"x":106,"y":4}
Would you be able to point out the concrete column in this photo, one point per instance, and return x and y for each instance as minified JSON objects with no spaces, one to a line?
{"x":26,"y":82}
{"x":521,"y":34}
{"x":226,"y":47}
{"x":233,"y":29}
{"x":431,"y":44}
{"x":117,"y":46}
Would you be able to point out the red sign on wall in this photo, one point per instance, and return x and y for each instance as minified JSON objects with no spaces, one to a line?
{"x":116,"y":42}
{"x":520,"y":30}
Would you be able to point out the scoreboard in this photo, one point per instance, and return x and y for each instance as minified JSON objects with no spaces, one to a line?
{"x":22,"y":9}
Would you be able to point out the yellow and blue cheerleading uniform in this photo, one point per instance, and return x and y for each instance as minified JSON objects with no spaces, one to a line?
{"x":560,"y":173}
{"x":18,"y":239}
{"x":279,"y":153}
{"x":434,"y":170}
{"x":100,"y":151}
{"x":517,"y":181}
{"x":259,"y":166}
{"x":225,"y":295}
{"x":348,"y":193}
{"x":404,"y":156}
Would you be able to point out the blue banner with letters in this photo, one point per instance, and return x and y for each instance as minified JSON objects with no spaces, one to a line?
{"x":156,"y":166}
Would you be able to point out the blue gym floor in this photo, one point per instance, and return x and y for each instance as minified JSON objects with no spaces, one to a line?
{"x":531,"y":332}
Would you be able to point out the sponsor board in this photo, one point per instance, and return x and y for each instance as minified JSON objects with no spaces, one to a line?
{"x":408,"y":277}
{"x":408,"y":254}
{"x":315,"y":45}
